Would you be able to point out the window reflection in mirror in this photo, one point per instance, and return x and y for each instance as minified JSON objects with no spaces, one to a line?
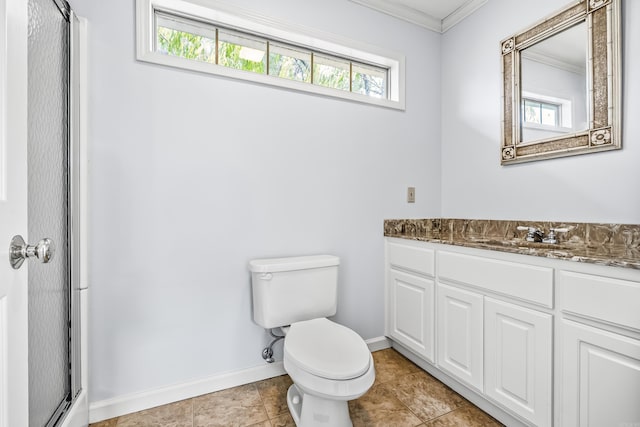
{"x":553,"y":97}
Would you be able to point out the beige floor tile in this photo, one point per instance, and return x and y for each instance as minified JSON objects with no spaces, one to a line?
{"x":113,"y":422}
{"x":425,"y":396}
{"x":380,"y":407}
{"x":466,"y":416}
{"x":238,"y":406}
{"x":179,"y":414}
{"x":284,"y":420}
{"x":274,"y":394}
{"x":390,"y":365}
{"x":402,"y":396}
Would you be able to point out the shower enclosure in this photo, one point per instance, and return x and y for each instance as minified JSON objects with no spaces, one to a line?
{"x":52,"y":163}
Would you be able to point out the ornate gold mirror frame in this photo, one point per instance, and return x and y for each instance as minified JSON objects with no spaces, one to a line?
{"x":603,"y":80}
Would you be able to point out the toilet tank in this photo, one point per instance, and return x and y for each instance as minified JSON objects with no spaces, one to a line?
{"x":289,"y":290}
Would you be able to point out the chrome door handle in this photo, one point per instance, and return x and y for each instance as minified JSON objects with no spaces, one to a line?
{"x":19,"y":251}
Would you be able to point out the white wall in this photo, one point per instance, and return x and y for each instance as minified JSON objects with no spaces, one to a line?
{"x":600,"y":187}
{"x":193,"y":175}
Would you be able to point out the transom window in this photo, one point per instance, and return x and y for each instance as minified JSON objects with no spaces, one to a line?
{"x":188,"y":35}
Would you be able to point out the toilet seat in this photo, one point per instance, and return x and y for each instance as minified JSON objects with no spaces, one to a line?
{"x":328,"y":360}
{"x":327,"y":350}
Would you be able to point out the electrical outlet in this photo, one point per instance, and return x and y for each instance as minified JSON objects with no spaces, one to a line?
{"x":411,"y":195}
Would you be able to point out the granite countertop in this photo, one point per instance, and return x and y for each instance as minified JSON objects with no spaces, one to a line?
{"x":615,"y":245}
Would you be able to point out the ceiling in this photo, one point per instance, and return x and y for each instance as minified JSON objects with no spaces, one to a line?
{"x":436,"y":15}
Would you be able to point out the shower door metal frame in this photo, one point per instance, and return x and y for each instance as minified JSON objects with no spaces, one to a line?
{"x":76,"y":412}
{"x":75,"y":322}
{"x":74,"y":203}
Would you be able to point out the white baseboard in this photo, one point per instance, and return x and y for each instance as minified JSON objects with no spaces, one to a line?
{"x":122,"y":405}
{"x":379,"y":343}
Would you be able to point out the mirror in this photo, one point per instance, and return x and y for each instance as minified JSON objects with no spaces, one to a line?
{"x":561,"y":82}
{"x":553,"y":86}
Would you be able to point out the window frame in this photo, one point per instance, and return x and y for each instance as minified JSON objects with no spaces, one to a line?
{"x":212,"y":12}
{"x":539,"y":107}
{"x":564,"y":108}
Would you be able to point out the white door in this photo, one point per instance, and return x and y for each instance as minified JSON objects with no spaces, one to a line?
{"x":14,"y":379}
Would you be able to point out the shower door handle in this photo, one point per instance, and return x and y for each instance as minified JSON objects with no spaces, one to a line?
{"x":19,"y":251}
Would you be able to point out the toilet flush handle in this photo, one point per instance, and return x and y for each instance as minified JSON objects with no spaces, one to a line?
{"x":266,"y":276}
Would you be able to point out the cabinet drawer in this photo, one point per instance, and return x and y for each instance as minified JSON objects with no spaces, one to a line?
{"x":604,"y":298}
{"x":526,"y":282}
{"x":410,"y":256}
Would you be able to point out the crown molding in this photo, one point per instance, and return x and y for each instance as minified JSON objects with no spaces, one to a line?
{"x":422,"y":18}
{"x":403,"y":12}
{"x":460,"y":13}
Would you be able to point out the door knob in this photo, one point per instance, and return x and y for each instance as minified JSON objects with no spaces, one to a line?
{"x":19,"y":251}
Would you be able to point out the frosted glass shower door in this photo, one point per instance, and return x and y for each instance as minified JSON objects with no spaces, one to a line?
{"x":50,"y":386}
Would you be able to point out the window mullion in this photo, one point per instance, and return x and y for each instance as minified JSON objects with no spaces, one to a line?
{"x":268,"y":55}
{"x":312,"y":67}
{"x":217,"y":45}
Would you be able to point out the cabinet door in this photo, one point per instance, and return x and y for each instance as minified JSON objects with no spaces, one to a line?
{"x":518,"y":359}
{"x":600,"y":377}
{"x":460,"y":334}
{"x":411,"y":312}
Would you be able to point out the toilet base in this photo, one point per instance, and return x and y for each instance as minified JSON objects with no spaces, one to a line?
{"x":312,"y":411}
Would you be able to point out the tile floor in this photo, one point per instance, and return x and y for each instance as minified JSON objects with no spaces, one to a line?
{"x":402,"y":395}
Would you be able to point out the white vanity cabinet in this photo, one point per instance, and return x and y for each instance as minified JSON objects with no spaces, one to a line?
{"x":599,"y":366}
{"x":493,"y":323}
{"x":410,"y":315}
{"x":533,"y":341}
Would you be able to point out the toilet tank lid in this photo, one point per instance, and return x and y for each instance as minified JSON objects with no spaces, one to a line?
{"x":272,"y":265}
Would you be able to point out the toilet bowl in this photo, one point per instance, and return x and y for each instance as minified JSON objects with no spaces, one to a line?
{"x":329,"y":365}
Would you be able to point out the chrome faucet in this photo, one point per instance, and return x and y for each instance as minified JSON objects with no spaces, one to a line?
{"x":551,"y":237}
{"x":534,"y":234}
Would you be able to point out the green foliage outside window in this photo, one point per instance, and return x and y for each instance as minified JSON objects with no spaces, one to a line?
{"x":200,"y":48}
{"x":328,"y":76}
{"x":186,"y":45}
{"x":229,"y":56}
{"x":288,"y":67}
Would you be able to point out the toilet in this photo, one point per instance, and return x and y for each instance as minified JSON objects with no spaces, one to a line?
{"x":328,"y":363}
